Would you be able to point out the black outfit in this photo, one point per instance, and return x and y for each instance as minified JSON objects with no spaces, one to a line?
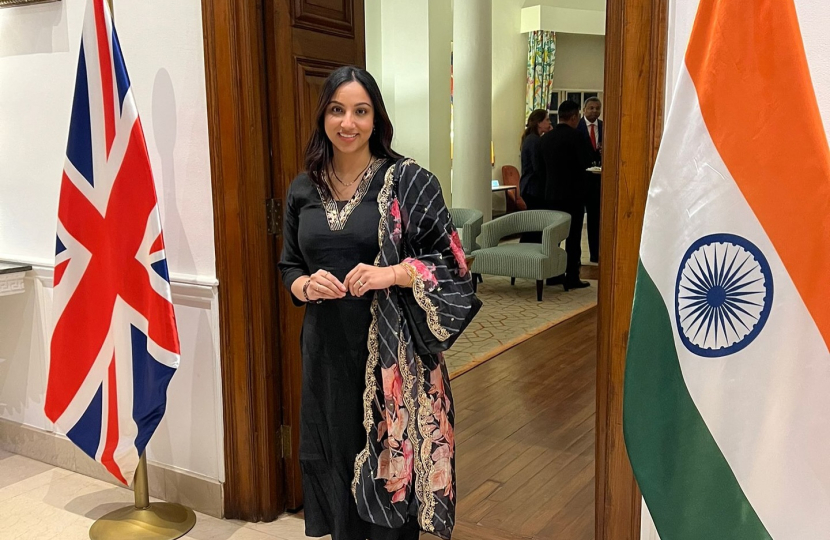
{"x":334,"y":351}
{"x":563,"y":160}
{"x":593,"y":188}
{"x":532,"y":185}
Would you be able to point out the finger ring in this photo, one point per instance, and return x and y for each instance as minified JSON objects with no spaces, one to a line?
{"x":317,"y":288}
{"x":360,"y":283}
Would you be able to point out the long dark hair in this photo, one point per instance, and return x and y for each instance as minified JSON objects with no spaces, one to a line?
{"x":536,"y":117}
{"x":319,"y":152}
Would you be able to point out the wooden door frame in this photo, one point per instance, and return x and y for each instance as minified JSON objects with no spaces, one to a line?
{"x":635,"y":75}
{"x":249,"y":331}
{"x":249,"y":327}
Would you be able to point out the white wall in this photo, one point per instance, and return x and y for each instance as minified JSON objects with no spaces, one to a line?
{"x":162,"y":45}
{"x":580,"y":62}
{"x":412,"y":69}
{"x":509,"y":83}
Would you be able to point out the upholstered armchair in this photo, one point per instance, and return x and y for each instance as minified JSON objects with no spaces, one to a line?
{"x":525,"y":261}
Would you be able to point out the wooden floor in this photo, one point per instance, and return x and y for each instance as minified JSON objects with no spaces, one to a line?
{"x":525,"y":439}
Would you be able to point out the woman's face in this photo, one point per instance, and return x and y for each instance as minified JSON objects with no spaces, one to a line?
{"x":350,"y":118}
{"x":544,"y":126}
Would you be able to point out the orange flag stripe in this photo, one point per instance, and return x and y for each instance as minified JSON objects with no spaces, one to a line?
{"x":753,"y":83}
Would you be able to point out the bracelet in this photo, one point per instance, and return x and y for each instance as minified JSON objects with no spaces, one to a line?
{"x":305,"y":293}
{"x":411,"y":272}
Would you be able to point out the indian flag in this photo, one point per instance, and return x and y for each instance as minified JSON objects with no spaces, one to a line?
{"x":727,"y":389}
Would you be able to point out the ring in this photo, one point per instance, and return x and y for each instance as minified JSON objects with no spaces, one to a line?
{"x":316,"y":287}
{"x":360,"y":283}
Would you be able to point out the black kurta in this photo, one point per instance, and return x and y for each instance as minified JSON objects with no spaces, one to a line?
{"x":334,"y":351}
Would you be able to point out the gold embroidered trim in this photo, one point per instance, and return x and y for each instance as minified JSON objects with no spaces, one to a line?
{"x":368,"y":395}
{"x":337,"y":218}
{"x":434,"y":323}
{"x":371,"y":382}
{"x":424,"y":483}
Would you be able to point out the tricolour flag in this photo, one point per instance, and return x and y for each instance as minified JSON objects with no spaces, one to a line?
{"x":115,"y":346}
{"x":727,"y":389}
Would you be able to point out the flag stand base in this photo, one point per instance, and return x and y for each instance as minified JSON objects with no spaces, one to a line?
{"x":144,"y":520}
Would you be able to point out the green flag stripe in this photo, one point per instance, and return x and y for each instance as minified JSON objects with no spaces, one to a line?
{"x":690,"y":489}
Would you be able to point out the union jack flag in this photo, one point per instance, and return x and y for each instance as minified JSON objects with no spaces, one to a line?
{"x":115,"y":345}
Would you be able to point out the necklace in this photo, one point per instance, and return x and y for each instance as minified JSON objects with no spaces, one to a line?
{"x":359,"y":175}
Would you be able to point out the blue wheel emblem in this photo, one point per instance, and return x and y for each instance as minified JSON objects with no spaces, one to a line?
{"x":723,"y":295}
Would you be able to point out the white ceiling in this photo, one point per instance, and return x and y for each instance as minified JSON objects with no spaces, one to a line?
{"x":594,"y":5}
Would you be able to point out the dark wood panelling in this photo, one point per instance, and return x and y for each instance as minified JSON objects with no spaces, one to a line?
{"x":240,"y":172}
{"x":311,"y":75}
{"x":300,"y":56}
{"x":325,"y":16}
{"x":635,"y":61}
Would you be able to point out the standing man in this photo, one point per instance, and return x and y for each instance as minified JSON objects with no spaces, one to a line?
{"x":591,"y":127}
{"x":563,"y":159}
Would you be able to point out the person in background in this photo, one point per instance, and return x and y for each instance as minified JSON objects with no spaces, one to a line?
{"x":531,"y":186}
{"x":591,"y":127}
{"x":564,"y":158}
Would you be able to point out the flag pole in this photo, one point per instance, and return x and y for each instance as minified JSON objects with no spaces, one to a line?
{"x":144,"y":520}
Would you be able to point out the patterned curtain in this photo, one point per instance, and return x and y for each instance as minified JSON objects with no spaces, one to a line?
{"x":541,"y":53}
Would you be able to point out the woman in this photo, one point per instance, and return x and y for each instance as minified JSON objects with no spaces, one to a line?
{"x":364,"y":229}
{"x":531,"y":187}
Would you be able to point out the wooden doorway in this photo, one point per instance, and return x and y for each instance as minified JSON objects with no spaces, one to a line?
{"x":305,"y":42}
{"x":265,"y":60}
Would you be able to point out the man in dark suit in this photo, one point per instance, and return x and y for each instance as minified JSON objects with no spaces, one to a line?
{"x":563,"y":158}
{"x":591,"y":127}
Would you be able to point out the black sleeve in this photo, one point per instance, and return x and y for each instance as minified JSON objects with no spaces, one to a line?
{"x":540,"y":170}
{"x":292,"y":265}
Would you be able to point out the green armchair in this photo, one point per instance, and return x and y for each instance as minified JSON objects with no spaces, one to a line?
{"x":527,"y":261}
{"x":467,"y":222}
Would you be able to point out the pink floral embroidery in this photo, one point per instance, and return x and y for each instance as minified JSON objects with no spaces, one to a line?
{"x":396,"y":218}
{"x":443,"y":436}
{"x":426,"y":272}
{"x":458,"y":253}
{"x":397,"y":458}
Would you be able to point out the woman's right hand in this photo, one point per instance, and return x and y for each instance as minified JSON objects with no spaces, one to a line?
{"x":324,"y":286}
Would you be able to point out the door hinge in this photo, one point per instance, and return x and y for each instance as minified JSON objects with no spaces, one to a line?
{"x":285,"y":441}
{"x":273,"y":216}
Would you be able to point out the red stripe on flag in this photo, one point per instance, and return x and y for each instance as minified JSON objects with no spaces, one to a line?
{"x":59,"y":271}
{"x":107,"y":456}
{"x":750,"y":71}
{"x":105,"y":63}
{"x":158,"y":245}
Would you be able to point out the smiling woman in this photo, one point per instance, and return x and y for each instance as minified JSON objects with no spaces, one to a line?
{"x":365,"y":234}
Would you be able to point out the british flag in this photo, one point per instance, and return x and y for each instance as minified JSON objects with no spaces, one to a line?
{"x":115,"y":345}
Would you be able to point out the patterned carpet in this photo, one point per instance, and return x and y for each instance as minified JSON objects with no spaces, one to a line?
{"x":511,"y":315}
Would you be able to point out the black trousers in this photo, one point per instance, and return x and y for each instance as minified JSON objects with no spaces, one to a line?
{"x":592,"y":206}
{"x":573,"y":244}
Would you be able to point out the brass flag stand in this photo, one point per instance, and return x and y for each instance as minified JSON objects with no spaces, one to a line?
{"x":144,"y":521}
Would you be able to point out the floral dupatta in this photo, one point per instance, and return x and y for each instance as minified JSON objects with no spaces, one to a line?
{"x":408,"y":465}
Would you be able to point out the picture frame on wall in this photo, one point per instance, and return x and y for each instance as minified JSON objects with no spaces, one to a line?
{"x":15,"y":3}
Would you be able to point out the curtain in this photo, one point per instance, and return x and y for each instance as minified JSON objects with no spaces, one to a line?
{"x":541,"y":53}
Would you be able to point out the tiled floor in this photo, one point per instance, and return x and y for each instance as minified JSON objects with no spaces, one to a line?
{"x":41,"y":502}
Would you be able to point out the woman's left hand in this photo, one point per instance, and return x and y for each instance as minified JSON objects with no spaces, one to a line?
{"x":365,"y":277}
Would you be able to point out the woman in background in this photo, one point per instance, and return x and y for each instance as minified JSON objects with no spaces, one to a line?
{"x":531,"y":187}
{"x":367,"y":234}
